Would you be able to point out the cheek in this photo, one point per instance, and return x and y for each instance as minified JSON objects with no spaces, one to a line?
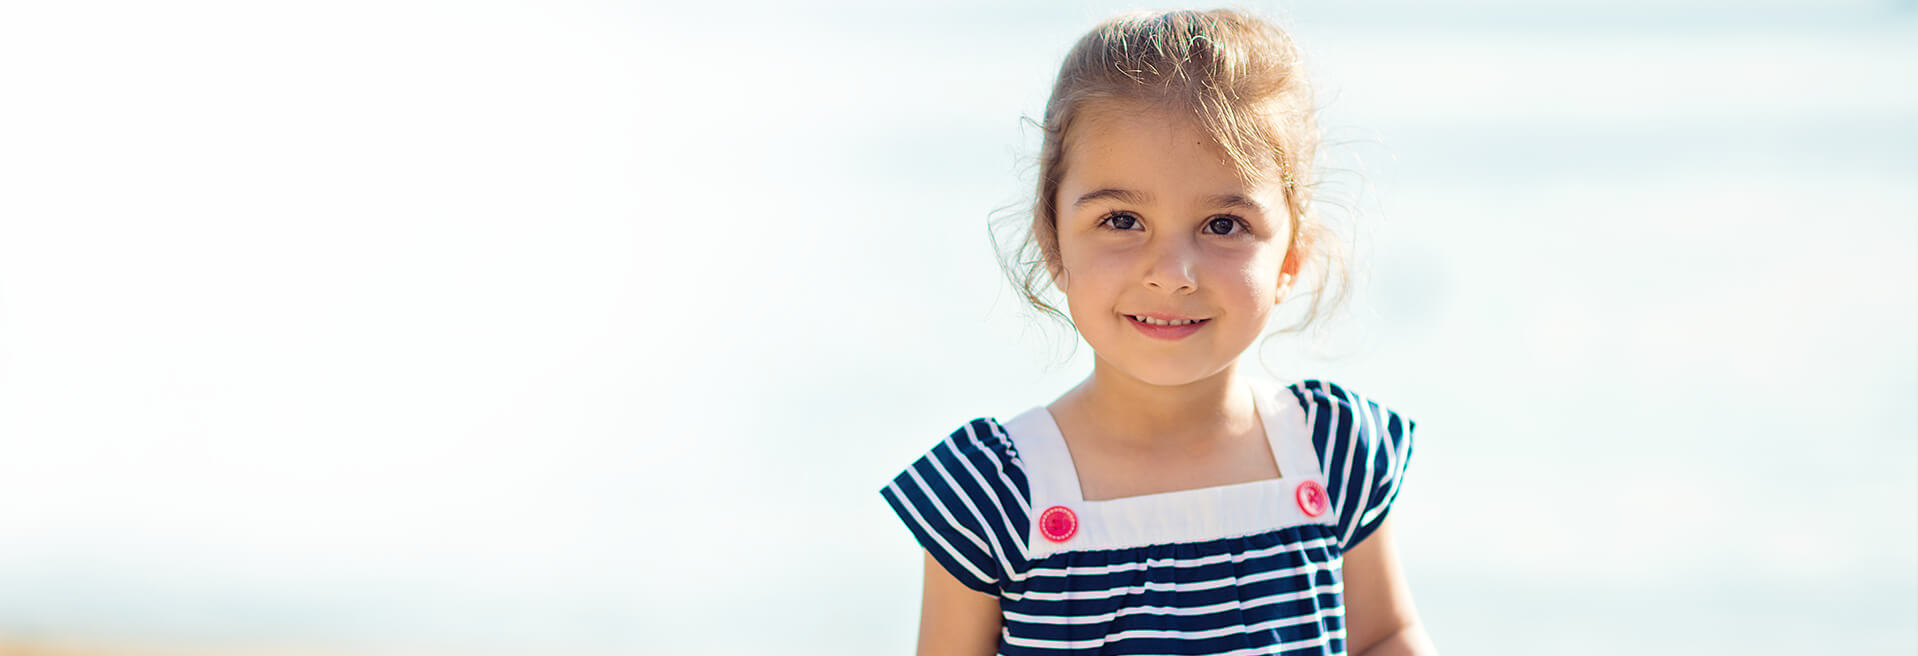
{"x":1092,"y":267}
{"x":1248,"y":278}
{"x":1263,"y":271}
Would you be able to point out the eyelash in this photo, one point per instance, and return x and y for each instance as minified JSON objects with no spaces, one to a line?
{"x":1244,"y":228}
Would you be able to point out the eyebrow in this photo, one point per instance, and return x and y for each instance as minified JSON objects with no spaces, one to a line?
{"x":1142,"y":198}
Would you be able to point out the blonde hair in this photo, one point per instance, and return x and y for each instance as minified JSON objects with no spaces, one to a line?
{"x":1240,"y":79}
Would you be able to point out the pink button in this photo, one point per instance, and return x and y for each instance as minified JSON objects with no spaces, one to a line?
{"x":1058,"y":523}
{"x":1312,"y":498}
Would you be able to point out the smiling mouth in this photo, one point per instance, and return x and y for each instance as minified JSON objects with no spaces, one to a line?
{"x":1167,"y":324}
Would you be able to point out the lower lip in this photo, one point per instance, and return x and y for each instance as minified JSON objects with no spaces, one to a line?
{"x":1167,"y":332}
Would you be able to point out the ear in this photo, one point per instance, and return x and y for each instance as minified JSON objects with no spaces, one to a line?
{"x":1302,"y":242}
{"x":1049,"y":255}
{"x":1297,"y":252}
{"x":1054,"y":268}
{"x":1289,"y":272}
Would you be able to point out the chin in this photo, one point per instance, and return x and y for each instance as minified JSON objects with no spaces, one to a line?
{"x":1165,"y":376}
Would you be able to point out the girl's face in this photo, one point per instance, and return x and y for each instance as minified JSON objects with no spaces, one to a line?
{"x":1154,"y":222}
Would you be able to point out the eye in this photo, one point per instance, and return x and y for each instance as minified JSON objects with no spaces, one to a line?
{"x":1115,"y":217}
{"x":1224,"y":224}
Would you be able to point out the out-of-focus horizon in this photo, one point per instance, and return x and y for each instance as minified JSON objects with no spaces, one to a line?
{"x":590,"y":327}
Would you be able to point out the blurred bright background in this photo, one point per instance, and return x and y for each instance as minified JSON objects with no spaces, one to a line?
{"x":410,"y":327}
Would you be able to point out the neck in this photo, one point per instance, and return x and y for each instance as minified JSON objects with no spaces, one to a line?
{"x":1133,"y":413}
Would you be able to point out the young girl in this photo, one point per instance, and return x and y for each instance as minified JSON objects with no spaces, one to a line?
{"x":1169,"y":504}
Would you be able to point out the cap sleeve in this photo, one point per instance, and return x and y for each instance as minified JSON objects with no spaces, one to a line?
{"x":1363,"y":449}
{"x":964,"y":502}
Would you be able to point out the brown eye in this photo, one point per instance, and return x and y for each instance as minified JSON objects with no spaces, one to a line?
{"x":1223,"y":224}
{"x":1117,"y":217}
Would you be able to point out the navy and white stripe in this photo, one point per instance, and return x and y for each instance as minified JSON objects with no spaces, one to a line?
{"x":967,"y":501}
{"x":1363,"y":448}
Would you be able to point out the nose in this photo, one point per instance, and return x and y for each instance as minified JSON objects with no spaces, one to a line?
{"x":1171,"y":266}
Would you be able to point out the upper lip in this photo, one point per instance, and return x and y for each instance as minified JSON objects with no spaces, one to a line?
{"x":1164,"y":317}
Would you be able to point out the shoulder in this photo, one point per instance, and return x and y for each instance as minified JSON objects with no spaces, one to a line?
{"x":965,"y":500}
{"x":976,"y":461}
{"x":1363,"y":448}
{"x":985,"y":436}
{"x":1342,"y":416}
{"x":980,"y":444}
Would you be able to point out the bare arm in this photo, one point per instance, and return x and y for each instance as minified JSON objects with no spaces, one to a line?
{"x":955,"y":620}
{"x":1379,"y":618}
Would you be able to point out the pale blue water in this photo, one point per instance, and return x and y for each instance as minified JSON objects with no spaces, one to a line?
{"x":598,"y":328}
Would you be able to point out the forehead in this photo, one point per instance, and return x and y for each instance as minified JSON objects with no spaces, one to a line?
{"x":1151,"y":149}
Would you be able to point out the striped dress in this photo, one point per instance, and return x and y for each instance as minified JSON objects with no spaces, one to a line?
{"x":1248,"y":568}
